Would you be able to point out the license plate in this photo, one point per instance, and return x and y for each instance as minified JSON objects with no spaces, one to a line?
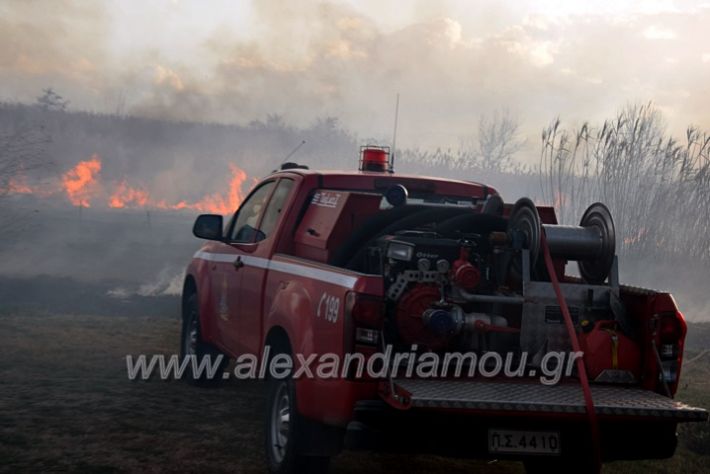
{"x":523,"y":442}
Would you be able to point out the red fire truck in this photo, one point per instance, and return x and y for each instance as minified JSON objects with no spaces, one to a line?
{"x":352,"y":263}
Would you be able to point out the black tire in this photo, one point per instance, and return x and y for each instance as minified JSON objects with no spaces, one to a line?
{"x":192,"y":344}
{"x":283,"y":428}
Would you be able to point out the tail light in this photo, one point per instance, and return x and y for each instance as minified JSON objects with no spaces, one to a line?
{"x":669,"y":329}
{"x":366,"y":315}
{"x":669,"y":339}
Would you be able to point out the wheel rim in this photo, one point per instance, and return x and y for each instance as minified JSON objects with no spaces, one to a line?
{"x":280,"y":420}
{"x":191,"y":334}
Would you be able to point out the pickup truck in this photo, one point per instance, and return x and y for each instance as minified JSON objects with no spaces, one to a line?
{"x":369,"y":263}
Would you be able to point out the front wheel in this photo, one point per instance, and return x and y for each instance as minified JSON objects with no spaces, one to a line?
{"x":282,"y":425}
{"x":207,"y":363}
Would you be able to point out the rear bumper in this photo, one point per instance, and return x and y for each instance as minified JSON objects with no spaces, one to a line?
{"x":516,"y":397}
{"x":377,"y":426}
{"x":453,"y":418}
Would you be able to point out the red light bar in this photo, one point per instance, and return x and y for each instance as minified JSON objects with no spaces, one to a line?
{"x":376,"y":158}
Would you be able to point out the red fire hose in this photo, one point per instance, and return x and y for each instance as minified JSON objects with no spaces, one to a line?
{"x":581,"y":370}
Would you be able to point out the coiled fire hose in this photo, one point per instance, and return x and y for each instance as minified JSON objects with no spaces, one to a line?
{"x":581,"y":369}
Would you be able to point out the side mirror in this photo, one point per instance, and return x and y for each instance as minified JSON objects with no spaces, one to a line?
{"x":208,"y":226}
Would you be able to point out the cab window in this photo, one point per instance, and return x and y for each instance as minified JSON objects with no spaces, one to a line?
{"x":275,"y":207}
{"x":245,"y":225}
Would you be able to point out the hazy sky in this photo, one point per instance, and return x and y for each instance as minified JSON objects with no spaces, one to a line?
{"x":451,"y":61}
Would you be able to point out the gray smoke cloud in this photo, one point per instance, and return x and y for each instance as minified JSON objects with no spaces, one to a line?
{"x":303,"y":60}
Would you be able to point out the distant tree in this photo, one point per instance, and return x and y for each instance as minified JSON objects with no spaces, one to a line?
{"x":498,"y":141}
{"x":491,"y":148}
{"x":50,"y":100}
{"x":326,"y":124}
{"x":275,"y":122}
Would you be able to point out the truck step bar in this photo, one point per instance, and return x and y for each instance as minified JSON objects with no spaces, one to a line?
{"x":525,"y":397}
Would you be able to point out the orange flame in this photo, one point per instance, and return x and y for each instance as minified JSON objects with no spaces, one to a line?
{"x":634,"y":239}
{"x":125,"y":195}
{"x":18,"y":186}
{"x":80,"y":182}
{"x":219,"y":204}
{"x":81,"y":185}
{"x":216,"y":203}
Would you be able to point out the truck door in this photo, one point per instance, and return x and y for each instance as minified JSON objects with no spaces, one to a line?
{"x":228,"y":271}
{"x":256,"y":244}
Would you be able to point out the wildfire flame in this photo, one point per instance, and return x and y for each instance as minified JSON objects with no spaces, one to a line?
{"x":82,"y":186}
{"x":18,"y":186}
{"x":80,"y":182}
{"x":125,"y":195}
{"x":634,"y":239}
{"x":219,"y":204}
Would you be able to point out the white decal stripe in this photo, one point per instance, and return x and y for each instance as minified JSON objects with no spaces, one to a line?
{"x":215,"y":257}
{"x":339,"y":279}
{"x":257,"y":262}
{"x":326,"y":276}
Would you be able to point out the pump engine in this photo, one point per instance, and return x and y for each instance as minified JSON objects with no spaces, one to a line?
{"x":464,"y":282}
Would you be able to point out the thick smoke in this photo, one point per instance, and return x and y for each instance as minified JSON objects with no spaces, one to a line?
{"x":312,"y":59}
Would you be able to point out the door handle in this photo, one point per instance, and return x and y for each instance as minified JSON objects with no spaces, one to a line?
{"x":238,"y":263}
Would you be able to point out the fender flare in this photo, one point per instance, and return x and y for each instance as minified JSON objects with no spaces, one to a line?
{"x":290,"y":312}
{"x":197,"y":279}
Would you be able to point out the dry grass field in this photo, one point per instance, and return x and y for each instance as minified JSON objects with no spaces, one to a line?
{"x":67,"y":405}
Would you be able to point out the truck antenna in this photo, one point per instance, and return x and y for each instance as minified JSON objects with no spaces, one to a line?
{"x":293,"y":152}
{"x":394,"y":134}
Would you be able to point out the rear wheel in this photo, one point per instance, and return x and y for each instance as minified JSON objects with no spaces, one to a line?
{"x":193,"y":346}
{"x":283,"y":426}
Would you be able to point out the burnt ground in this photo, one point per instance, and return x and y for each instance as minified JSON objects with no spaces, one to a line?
{"x":67,"y":405}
